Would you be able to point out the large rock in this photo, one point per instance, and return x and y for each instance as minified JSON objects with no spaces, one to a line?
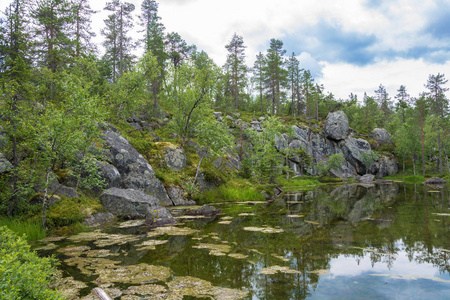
{"x":336,"y":126}
{"x":58,"y":189}
{"x":381,"y":135}
{"x":109,"y":174}
{"x":5,"y":165}
{"x":129,"y":203}
{"x":352,"y":149}
{"x":367,"y":178}
{"x":136,"y":173}
{"x":175,"y":158}
{"x":205,"y":210}
{"x":176,"y":194}
{"x":385,"y":166}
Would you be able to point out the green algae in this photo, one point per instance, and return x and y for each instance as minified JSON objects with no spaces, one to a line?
{"x":131,"y":223}
{"x":215,"y":249}
{"x":150,"y":244}
{"x":134,"y":274}
{"x":170,"y":230}
{"x":195,"y":287}
{"x":278,"y":269}
{"x":264,"y":229}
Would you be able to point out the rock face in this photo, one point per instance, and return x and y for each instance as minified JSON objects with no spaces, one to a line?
{"x":367,"y":178}
{"x":175,"y":158}
{"x":135,"y":172}
{"x":336,"y":126}
{"x":335,"y":139}
{"x":129,"y":203}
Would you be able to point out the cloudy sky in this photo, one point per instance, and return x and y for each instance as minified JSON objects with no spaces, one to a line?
{"x":349,"y":45}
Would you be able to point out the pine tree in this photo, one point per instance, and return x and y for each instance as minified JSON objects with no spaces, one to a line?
{"x":235,"y":66}
{"x":293,"y":67}
{"x":439,"y":106}
{"x":177,"y":49}
{"x":83,"y":31}
{"x":118,"y":43}
{"x":259,"y":77}
{"x":14,"y":84}
{"x":403,"y":100}
{"x":154,"y":43}
{"x":308,"y":91}
{"x":275,"y":73}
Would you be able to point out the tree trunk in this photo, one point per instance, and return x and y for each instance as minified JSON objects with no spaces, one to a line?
{"x":414,"y":163}
{"x":44,"y":201}
{"x":198,"y":169}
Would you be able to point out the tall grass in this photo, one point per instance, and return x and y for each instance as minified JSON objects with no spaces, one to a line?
{"x":231,"y":193}
{"x":31,"y":227}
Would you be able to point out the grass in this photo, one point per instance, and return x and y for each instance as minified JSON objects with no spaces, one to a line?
{"x":406,"y":178}
{"x":233,"y":191}
{"x":31,"y":228}
{"x":302,"y":181}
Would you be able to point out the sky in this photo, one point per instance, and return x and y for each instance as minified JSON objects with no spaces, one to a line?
{"x":348,"y":45}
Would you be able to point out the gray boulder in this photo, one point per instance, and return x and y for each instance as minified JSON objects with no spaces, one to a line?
{"x":5,"y":165}
{"x":176,"y":195}
{"x":98,"y":219}
{"x":129,"y":203}
{"x":367,"y":178}
{"x":136,"y":173}
{"x":256,"y":126}
{"x":218,"y":116}
{"x":159,"y":217}
{"x":109,"y":174}
{"x":336,"y":126}
{"x":61,"y":190}
{"x":381,"y":135}
{"x":205,"y":210}
{"x":175,"y":158}
{"x":386,"y":166}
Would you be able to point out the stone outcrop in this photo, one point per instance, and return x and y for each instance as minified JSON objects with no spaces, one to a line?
{"x":135,"y":172}
{"x":177,"y":196}
{"x":175,"y":157}
{"x":381,"y":135}
{"x":336,"y":138}
{"x":129,"y":203}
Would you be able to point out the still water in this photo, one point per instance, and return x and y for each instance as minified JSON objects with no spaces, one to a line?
{"x":389,"y":241}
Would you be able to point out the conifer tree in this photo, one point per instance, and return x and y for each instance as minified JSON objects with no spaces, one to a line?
{"x":118,"y":43}
{"x":177,"y":49}
{"x":293,"y":67}
{"x":83,"y":31}
{"x":154,"y":43}
{"x":275,"y":73}
{"x":259,"y":77}
{"x":235,"y":66}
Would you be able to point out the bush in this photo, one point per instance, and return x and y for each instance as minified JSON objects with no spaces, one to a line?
{"x":23,"y":274}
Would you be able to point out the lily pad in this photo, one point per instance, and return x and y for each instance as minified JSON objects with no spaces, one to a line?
{"x":264,"y":229}
{"x":280,"y":257}
{"x":215,"y":249}
{"x":195,"y":287}
{"x":320,"y":272}
{"x":131,"y":223}
{"x":170,"y":230}
{"x":225,"y":222}
{"x":136,"y":274}
{"x":275,"y":269}
{"x":150,"y":244}
{"x":246,"y":214}
{"x":238,"y":255}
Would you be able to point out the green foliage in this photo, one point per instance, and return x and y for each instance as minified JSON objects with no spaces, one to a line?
{"x":23,"y":274}
{"x":231,"y":192}
{"x":326,"y":179}
{"x":334,"y":162}
{"x":68,"y":212}
{"x":30,"y":227}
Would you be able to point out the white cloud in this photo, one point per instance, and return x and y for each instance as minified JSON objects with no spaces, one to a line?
{"x":342,"y":79}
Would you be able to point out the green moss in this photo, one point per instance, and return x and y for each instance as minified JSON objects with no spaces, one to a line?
{"x":326,"y":179}
{"x":67,"y":215}
{"x":233,"y":191}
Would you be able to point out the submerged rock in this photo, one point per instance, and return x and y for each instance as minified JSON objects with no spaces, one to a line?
{"x":205,"y":210}
{"x":159,"y":217}
{"x":435,"y":180}
{"x":367,"y":178}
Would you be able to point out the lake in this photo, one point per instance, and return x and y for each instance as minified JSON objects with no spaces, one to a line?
{"x":384,"y":241}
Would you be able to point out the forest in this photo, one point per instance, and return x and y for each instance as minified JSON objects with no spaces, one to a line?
{"x":57,"y":90}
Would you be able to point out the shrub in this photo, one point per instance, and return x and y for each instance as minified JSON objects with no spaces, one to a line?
{"x":23,"y":274}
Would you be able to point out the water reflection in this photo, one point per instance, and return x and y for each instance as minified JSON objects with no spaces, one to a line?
{"x":353,"y":241}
